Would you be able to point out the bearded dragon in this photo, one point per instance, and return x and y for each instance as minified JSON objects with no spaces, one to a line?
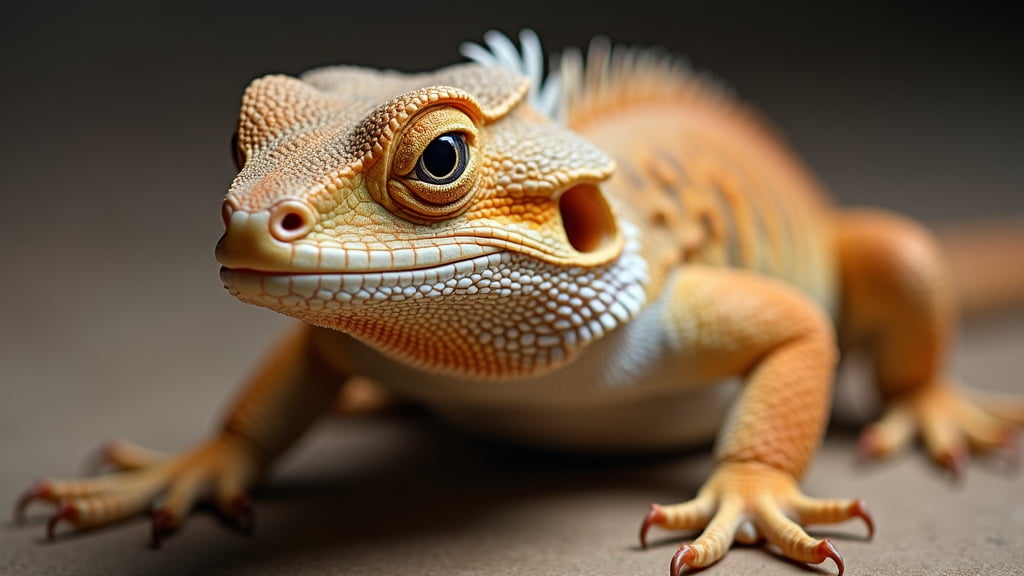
{"x":618,"y":256}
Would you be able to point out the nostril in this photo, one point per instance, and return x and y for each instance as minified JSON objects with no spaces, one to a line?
{"x":291,"y":220}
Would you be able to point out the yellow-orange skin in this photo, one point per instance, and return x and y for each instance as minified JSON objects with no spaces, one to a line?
{"x":726,"y":256}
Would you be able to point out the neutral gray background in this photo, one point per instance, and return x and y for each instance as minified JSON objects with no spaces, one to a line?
{"x":114,"y":130}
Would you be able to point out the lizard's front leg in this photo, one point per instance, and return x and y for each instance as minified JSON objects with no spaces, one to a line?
{"x":898,"y":301}
{"x":733,"y":323}
{"x":291,"y":390}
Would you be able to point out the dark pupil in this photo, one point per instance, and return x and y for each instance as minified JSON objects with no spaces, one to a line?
{"x":441,"y":156}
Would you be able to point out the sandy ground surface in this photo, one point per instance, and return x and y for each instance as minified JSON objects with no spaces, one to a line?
{"x":399,"y":493}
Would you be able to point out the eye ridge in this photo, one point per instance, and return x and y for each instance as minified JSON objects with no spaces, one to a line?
{"x":444,"y":160}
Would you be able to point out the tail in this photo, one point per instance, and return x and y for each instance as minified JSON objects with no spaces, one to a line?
{"x":987,"y":262}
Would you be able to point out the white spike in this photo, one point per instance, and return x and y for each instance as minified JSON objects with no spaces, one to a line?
{"x":572,"y":79}
{"x":600,"y":75}
{"x":533,"y":57}
{"x":597,"y":64}
{"x":500,"y":51}
{"x":549,"y":95}
{"x":503,"y":49}
{"x":478,"y":54}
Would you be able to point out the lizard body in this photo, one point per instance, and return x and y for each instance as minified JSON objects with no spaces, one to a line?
{"x":690,"y":163}
{"x":622,"y":257}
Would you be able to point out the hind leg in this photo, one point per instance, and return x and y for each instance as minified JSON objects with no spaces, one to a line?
{"x":898,"y":301}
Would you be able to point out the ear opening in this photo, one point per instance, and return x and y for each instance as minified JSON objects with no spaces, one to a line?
{"x":587,"y":219}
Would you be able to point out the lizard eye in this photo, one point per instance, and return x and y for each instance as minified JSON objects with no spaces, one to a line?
{"x":432,"y":172}
{"x":443,"y":160}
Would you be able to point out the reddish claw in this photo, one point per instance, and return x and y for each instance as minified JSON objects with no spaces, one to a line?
{"x":1011,"y":448}
{"x":868,"y":446}
{"x":66,"y":512}
{"x":654,"y":516}
{"x":163,"y":524}
{"x":956,"y":462}
{"x":240,"y":510}
{"x":681,"y":559}
{"x":41,"y":491}
{"x":827,"y":550}
{"x":860,"y":510}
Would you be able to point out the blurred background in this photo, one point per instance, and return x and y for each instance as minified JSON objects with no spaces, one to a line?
{"x":115,"y":121}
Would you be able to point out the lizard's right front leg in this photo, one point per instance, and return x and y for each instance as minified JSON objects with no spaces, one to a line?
{"x":727,"y":322}
{"x":292,"y":389}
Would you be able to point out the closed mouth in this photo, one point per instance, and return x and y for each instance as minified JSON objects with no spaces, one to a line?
{"x":328,"y":290}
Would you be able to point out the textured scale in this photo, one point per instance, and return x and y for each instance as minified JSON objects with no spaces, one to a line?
{"x":706,"y":178}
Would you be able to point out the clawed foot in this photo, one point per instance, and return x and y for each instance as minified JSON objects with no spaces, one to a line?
{"x":223,"y":467}
{"x":949,"y":423}
{"x":749,"y":502}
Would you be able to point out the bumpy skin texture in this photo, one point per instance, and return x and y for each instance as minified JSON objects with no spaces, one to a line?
{"x":576,"y":264}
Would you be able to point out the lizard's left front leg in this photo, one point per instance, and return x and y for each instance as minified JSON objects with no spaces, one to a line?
{"x":290,"y":391}
{"x":733,"y":323}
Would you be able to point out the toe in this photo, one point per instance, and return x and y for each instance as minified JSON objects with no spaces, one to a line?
{"x":40,"y":491}
{"x":162,"y":524}
{"x":241,"y":513}
{"x":814,"y":511}
{"x":890,"y":434}
{"x":790,"y":538}
{"x":692,"y":515}
{"x":123,"y":455}
{"x":182,"y":493}
{"x":1008,"y":408}
{"x":67,"y":511}
{"x":715,"y":540}
{"x":57,"y":491}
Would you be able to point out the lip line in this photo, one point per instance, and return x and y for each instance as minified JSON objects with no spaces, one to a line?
{"x":256,"y":271}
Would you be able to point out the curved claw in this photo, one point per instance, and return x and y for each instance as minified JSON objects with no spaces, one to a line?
{"x":241,"y":511}
{"x":66,"y":512}
{"x":826,"y":550}
{"x":682,"y":558}
{"x":1011,"y":448}
{"x":860,"y":510}
{"x":868,"y":446}
{"x":654,"y":516}
{"x":41,"y":491}
{"x":162,"y":525}
{"x":956,"y":462}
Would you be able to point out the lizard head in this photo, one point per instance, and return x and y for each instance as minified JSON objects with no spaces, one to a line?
{"x":428,"y":215}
